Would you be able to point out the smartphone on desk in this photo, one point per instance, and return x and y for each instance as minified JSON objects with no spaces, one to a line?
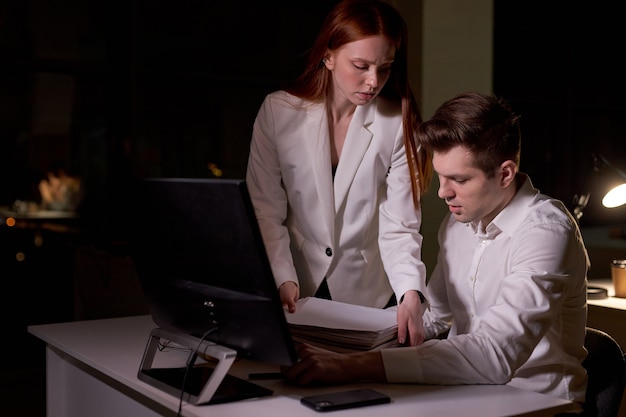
{"x":345,"y":399}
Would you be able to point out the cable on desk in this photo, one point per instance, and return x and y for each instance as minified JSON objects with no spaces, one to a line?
{"x":190,"y":361}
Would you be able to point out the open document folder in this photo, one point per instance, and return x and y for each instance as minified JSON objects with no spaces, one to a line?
{"x":342,"y":327}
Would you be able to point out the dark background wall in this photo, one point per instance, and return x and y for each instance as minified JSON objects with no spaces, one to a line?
{"x":122,"y":89}
{"x":561,"y":64}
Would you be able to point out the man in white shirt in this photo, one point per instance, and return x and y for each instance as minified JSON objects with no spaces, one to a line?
{"x":510,"y":282}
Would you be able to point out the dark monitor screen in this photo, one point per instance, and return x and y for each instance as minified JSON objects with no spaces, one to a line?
{"x":203,"y":268}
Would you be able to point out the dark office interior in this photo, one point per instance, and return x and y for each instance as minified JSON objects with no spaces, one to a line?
{"x":118,"y":90}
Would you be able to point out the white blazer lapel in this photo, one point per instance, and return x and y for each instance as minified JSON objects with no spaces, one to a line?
{"x":319,"y":150}
{"x":357,"y":141}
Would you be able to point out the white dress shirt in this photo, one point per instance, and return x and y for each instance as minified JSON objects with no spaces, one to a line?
{"x":360,"y":231}
{"x":515,"y":298}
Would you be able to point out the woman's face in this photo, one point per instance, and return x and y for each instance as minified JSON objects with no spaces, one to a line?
{"x":361,"y":68}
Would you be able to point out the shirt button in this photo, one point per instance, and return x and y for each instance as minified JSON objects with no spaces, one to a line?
{"x":329,"y":252}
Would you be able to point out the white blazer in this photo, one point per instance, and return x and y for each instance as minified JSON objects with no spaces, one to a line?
{"x":360,"y":232}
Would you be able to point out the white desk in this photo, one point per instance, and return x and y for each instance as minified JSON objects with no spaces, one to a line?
{"x":92,"y":371}
{"x":608,"y":314}
{"x":612,"y":302}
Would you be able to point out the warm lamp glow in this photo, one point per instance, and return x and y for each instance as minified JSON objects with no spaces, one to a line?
{"x":616,"y":197}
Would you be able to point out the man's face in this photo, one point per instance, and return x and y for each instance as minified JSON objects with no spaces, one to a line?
{"x":469,"y":194}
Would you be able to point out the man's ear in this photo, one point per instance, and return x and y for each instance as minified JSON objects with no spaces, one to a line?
{"x":508,"y":170}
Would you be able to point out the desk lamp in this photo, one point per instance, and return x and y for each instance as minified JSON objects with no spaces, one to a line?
{"x":606,"y":177}
{"x":613,"y":178}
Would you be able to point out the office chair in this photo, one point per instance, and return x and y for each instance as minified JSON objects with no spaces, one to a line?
{"x":606,"y":370}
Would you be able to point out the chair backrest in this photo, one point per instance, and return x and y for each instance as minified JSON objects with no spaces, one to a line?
{"x":606,"y":369}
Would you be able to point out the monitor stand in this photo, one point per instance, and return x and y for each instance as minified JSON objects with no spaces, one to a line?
{"x":198,"y":383}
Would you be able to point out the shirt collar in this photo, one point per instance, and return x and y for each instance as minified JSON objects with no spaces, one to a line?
{"x":512,"y":215}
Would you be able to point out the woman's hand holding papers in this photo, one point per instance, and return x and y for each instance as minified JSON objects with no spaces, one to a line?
{"x":289,"y":295}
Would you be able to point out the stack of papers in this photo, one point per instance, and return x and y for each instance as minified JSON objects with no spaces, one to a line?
{"x":342,"y":327}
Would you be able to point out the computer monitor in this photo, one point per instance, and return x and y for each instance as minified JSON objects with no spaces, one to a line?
{"x":207,"y":280}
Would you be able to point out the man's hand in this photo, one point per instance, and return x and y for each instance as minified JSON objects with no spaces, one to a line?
{"x":321,"y":366}
{"x":410,"y":320}
{"x":289,"y":294}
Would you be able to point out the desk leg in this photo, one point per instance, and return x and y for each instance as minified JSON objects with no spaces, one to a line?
{"x":75,"y":392}
{"x":55,"y":387}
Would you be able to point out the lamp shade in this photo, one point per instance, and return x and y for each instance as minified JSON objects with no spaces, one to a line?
{"x":615,"y":197}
